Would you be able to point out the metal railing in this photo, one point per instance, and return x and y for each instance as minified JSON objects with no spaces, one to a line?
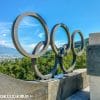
{"x":49,"y":40}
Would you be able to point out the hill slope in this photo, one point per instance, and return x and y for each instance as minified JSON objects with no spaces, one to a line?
{"x":11,"y":52}
{"x":7,"y":51}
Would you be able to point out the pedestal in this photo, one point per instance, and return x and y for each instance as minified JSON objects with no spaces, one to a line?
{"x":53,"y":89}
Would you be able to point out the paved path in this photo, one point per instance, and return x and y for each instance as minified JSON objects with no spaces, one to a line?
{"x":81,"y":95}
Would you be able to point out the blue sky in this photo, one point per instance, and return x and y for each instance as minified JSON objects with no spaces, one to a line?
{"x":76,"y":14}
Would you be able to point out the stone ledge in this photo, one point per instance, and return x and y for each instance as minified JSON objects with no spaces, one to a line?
{"x":53,"y":89}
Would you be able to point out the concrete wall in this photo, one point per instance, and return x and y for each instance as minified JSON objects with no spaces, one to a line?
{"x":53,"y":89}
{"x":93,"y":63}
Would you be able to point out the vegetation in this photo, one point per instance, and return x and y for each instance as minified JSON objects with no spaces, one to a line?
{"x":22,"y":68}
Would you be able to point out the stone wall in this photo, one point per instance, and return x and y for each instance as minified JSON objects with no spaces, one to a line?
{"x":93,"y":64}
{"x":53,"y":89}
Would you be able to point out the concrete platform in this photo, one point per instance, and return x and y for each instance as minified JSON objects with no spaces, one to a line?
{"x":54,"y":89}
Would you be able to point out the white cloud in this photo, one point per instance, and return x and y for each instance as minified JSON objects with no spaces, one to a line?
{"x":28,"y":48}
{"x":6,"y":43}
{"x":2,"y":42}
{"x":60,"y":43}
{"x":5,"y":28}
{"x":36,"y":32}
{"x":40,"y":35}
{"x":4,"y":34}
{"x":32,"y":46}
{"x":27,"y":22}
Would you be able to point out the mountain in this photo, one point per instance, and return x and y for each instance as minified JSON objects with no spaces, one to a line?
{"x":8,"y":52}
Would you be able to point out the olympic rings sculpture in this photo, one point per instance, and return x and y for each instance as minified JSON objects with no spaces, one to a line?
{"x":49,"y":40}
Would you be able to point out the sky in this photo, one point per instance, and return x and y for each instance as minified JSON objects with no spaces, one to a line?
{"x":83,"y":15}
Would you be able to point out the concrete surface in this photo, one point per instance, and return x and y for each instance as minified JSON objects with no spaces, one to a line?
{"x":94,"y":38}
{"x":93,"y":64}
{"x":81,"y":95}
{"x":94,"y":87}
{"x":53,"y":89}
{"x":93,"y":60}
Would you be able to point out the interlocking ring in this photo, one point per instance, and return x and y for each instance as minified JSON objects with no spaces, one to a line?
{"x":59,"y":52}
{"x":54,"y":47}
{"x":74,"y":53}
{"x":71,"y":67}
{"x":15,"y":34}
{"x":37,"y":71}
{"x":73,"y":45}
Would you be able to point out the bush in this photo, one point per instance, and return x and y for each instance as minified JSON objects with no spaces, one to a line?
{"x":22,"y":68}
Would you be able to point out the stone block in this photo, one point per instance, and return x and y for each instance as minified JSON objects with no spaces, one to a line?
{"x":53,"y":89}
